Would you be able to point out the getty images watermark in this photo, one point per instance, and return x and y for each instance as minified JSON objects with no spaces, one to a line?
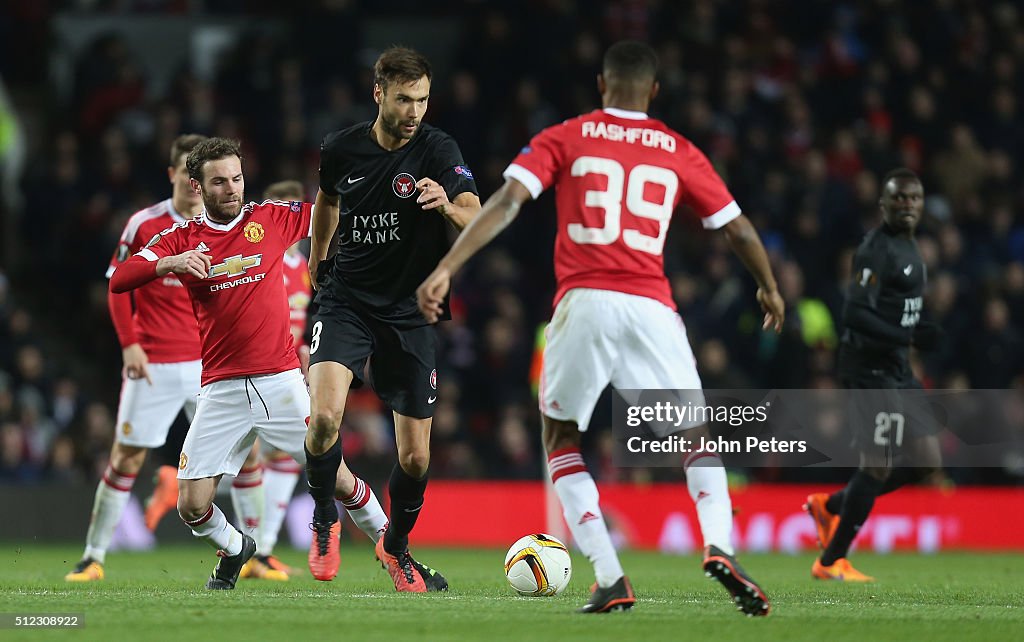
{"x":680,"y":417}
{"x":834,"y":428}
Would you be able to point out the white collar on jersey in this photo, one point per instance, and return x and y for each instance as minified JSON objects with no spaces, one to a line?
{"x":223,"y":227}
{"x":625,"y":113}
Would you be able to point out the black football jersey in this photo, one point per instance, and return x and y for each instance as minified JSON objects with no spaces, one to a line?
{"x":884,"y":301}
{"x":386,"y":244}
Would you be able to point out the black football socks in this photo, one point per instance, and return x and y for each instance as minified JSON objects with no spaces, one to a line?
{"x":858,"y":498}
{"x":406,"y":501}
{"x":898,"y":478}
{"x":322,"y":474}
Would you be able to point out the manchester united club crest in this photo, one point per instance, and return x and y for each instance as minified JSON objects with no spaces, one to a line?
{"x":183,"y":461}
{"x":433,"y":378}
{"x":253,"y":232}
{"x":404,"y":185}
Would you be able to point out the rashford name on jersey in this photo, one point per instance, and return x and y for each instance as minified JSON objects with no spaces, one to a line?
{"x":242,"y":305}
{"x":617,"y":133}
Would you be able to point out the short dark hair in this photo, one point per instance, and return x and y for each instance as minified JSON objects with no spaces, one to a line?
{"x":400,"y":65}
{"x":183,"y":144}
{"x":285,"y":191}
{"x":900,"y":172}
{"x":631,"y":60}
{"x":209,"y":150}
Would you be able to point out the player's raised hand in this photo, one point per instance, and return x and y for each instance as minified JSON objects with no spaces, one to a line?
{"x":193,"y":263}
{"x":774,"y":309}
{"x":136,"y":363}
{"x":430,"y":295}
{"x":432,"y":196}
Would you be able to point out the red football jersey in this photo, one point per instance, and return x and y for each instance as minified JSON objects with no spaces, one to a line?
{"x":298,"y":289}
{"x":163,"y":318}
{"x":241,"y":306}
{"x":618,"y":177}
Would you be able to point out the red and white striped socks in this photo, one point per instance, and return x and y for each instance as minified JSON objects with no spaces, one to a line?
{"x":709,"y":489}
{"x":214,"y":529}
{"x":279,"y":477}
{"x":247,"y":499}
{"x":112,"y":495}
{"x":365,"y":510}
{"x":580,"y":505}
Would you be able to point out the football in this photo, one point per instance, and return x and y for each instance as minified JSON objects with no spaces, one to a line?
{"x":538,"y":565}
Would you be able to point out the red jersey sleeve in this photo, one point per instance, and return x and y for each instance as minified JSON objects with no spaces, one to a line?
{"x":292,"y":219}
{"x":704,"y":191}
{"x":120,"y":305}
{"x":538,"y":164}
{"x":167,"y":243}
{"x":133,"y":273}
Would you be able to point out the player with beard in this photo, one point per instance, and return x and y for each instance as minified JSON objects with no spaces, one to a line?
{"x":230,"y":258}
{"x":881,"y":321}
{"x":390,"y":191}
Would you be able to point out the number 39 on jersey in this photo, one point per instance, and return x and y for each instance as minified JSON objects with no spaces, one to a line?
{"x":618,"y":182}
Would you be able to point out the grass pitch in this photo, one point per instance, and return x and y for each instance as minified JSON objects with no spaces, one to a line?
{"x":159,"y":596}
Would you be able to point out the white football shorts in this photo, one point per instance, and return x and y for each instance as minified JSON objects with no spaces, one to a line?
{"x":145,"y":412}
{"x":232,"y":413}
{"x":597,"y":337}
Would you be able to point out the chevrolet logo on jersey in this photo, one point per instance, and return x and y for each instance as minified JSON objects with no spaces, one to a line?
{"x":235,"y":265}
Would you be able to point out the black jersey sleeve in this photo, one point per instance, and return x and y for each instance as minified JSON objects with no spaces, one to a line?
{"x":329,"y":164}
{"x":862,"y":311}
{"x":450,"y":170}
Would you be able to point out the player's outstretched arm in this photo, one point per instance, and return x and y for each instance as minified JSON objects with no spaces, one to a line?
{"x":326,"y":211}
{"x":138,"y":271}
{"x":746,"y":243}
{"x":499,"y":210}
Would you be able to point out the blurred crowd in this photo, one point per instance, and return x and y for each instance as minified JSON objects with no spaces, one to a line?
{"x":801,"y":106}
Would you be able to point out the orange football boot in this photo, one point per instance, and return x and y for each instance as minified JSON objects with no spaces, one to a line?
{"x":276,"y":564}
{"x":825,"y":521}
{"x":88,"y":570}
{"x":324,"y":550}
{"x":841,"y":571}
{"x":164,"y":498}
{"x":401,"y":569}
{"x":257,"y":569}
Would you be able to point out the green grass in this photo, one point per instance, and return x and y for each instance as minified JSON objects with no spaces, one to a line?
{"x":159,"y":595}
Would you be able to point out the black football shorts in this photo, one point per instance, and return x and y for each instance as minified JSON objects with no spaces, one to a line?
{"x":885,"y":413}
{"x":402,"y":361}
